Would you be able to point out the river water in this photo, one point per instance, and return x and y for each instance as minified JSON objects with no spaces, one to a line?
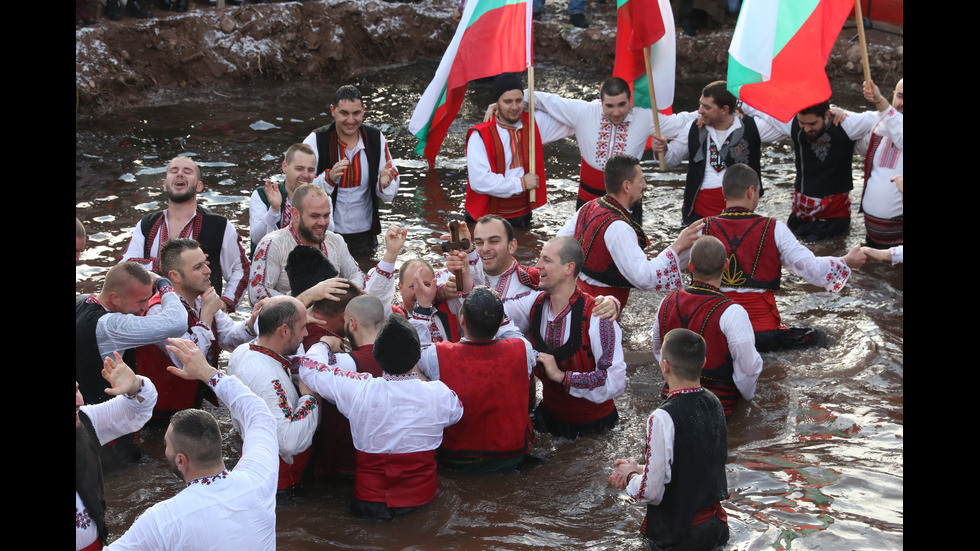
{"x":815,"y":460}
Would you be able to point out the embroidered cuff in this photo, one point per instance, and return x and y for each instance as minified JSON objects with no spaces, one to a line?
{"x":230,"y":303}
{"x":215,"y":379}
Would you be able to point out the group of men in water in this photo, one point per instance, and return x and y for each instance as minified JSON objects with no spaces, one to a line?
{"x":329,"y":376}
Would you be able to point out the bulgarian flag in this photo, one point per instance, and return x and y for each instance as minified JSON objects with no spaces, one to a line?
{"x":778,"y":57}
{"x":642,"y":23}
{"x":493,"y":37}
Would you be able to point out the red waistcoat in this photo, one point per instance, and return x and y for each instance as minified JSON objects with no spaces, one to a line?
{"x":752,"y":252}
{"x":478,"y":204}
{"x":590,"y":229}
{"x":574,"y":355}
{"x":492,"y":382}
{"x":698,"y":308}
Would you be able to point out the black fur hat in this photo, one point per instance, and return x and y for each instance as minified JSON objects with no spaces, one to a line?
{"x":397,"y":348}
{"x":307,"y":266}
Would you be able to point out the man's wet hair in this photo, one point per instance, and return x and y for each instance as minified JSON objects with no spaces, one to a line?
{"x":570,"y":251}
{"x":614,"y":86}
{"x":276,"y":314}
{"x":737,"y":180}
{"x":195,"y":433}
{"x":330,"y":308}
{"x":619,"y":168}
{"x":708,"y":257}
{"x":718,"y":92}
{"x":487,"y":218}
{"x":170,"y":254}
{"x":684,"y":350}
{"x":347,"y":92}
{"x":297,"y":148}
{"x":483,"y":312}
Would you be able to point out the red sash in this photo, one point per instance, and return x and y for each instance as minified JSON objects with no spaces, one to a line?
{"x":396,"y":479}
{"x":94,"y":546}
{"x":710,"y":202}
{"x":810,"y":209}
{"x":290,"y":475}
{"x":592,"y":182}
{"x":761,"y":308}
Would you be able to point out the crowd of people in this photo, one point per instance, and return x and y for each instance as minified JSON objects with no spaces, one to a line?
{"x":333,"y":375}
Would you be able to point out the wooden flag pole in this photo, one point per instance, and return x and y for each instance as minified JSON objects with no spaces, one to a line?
{"x":530,"y":146}
{"x":653,"y":102}
{"x":864,"y":44}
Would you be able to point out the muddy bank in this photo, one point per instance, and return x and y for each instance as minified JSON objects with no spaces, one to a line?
{"x":133,"y":61}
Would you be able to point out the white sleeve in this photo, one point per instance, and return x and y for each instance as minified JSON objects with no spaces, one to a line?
{"x":429,"y":361}
{"x":893,"y":127}
{"x":656,"y":339}
{"x":661,"y":273}
{"x":773,"y":125}
{"x":380,"y":283}
{"x":122,"y":414}
{"x":261,"y":218}
{"x":608,"y":380}
{"x":295,"y":423}
{"x":550,"y":129}
{"x":829,"y":272}
{"x":234,"y":267}
{"x":328,"y":379}
{"x":263,"y":270}
{"x":648,"y":486}
{"x":563,"y":110}
{"x":134,"y":251}
{"x":676,"y":126}
{"x":231,"y":333}
{"x":343,"y":261}
{"x":770,"y":129}
{"x":568,"y":230}
{"x":737,"y":328}
{"x":898,"y":254}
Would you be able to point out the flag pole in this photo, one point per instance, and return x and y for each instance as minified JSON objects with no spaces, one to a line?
{"x":861,"y":39}
{"x":531,"y":141}
{"x":653,"y":102}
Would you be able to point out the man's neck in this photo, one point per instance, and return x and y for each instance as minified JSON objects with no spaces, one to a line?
{"x":620,"y":198}
{"x":560,"y":296}
{"x":103,"y":299}
{"x":271,"y":344}
{"x":182,"y":211}
{"x":706,"y":281}
{"x":738,"y":205}
{"x":302,"y":239}
{"x":190,"y":297}
{"x":725,"y":124}
{"x":194,"y":474}
{"x":506,"y":266}
{"x":364,"y":339}
{"x":349,"y":140}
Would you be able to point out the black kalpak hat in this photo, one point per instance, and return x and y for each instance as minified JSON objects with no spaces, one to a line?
{"x":305,"y":267}
{"x":396,"y":348}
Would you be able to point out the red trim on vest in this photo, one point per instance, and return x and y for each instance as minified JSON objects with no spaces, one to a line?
{"x":491,"y":379}
{"x":750,"y":240}
{"x":478,"y":204}
{"x":762,"y":309}
{"x":592,"y":221}
{"x":396,"y":479}
{"x":290,"y":475}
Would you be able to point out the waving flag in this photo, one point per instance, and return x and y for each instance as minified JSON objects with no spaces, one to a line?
{"x":778,"y":57}
{"x":642,"y":23}
{"x":493,"y":37}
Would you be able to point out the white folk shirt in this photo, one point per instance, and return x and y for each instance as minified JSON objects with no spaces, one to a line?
{"x":233,"y":258}
{"x":485,"y":180}
{"x":660,"y":273}
{"x":268,"y":277}
{"x":353,"y":212}
{"x":660,"y":455}
{"x":380,"y":282}
{"x":229,"y":511}
{"x":262,"y":219}
{"x":389,"y":414}
{"x":882,"y":198}
{"x":297,"y":417}
{"x":605,"y":337}
{"x":737,"y":328}
{"x":230,"y":333}
{"x":117,"y":417}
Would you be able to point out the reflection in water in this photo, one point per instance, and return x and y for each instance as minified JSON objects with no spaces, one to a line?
{"x":815,"y":460}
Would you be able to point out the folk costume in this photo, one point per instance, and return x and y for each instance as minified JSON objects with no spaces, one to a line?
{"x":262,"y":219}
{"x":881,"y":202}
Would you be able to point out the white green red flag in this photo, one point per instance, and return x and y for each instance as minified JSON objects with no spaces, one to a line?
{"x":642,"y":23}
{"x":493,"y":37}
{"x":778,"y":57}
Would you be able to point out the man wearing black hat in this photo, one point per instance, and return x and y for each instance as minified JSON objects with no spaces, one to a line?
{"x":397,"y":420}
{"x":497,"y":158}
{"x":311,"y":216}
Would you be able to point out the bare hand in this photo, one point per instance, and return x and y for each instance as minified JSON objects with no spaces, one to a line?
{"x":899,"y":183}
{"x":255,"y":313}
{"x":448,"y":290}
{"x":606,"y":308}
{"x":688,"y":236}
{"x":658,"y":144}
{"x":530,"y":181}
{"x":273,"y":196}
{"x":338,"y":170}
{"x":121,"y":378}
{"x":491,"y":112}
{"x":326,"y":289}
{"x":425,"y":291}
{"x":551,"y":369}
{"x":838,"y":115}
{"x":388,"y":174}
{"x":883,"y":255}
{"x":855,"y":258}
{"x":873,"y":95}
{"x":195,"y":366}
{"x":395,"y":239}
{"x":210,"y":304}
{"x":623,"y":468}
{"x":333,"y":343}
{"x":457,"y":261}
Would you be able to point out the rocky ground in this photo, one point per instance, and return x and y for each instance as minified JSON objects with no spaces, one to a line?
{"x":130,"y":62}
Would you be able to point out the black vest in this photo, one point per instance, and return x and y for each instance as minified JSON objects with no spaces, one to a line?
{"x":745,"y":146}
{"x":88,"y":474}
{"x":328,"y":154}
{"x":88,"y":362}
{"x":697,"y":473}
{"x":210,"y":238}
{"x":823,"y":167}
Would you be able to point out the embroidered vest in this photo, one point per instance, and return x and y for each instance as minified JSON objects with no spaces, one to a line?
{"x":574,"y":355}
{"x":751,"y":243}
{"x":491,"y":379}
{"x":823,"y":167}
{"x":88,"y":361}
{"x":209,"y":232}
{"x":478,"y":204}
{"x":326,"y":141}
{"x":593,"y":219}
{"x":742,"y":146}
{"x":697,"y":473}
{"x":699,"y":308}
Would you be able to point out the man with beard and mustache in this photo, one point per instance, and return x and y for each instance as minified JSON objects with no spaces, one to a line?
{"x":97,"y":424}
{"x":311,"y":216}
{"x":217,"y":508}
{"x":184,"y":218}
{"x":824,"y":149}
{"x":497,"y":161}
{"x":271,"y":206}
{"x":613,"y":242}
{"x":264,"y":366}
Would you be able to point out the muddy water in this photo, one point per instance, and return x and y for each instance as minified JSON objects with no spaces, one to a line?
{"x":815,"y":461}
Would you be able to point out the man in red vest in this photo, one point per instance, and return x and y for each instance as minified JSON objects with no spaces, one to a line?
{"x":733,"y":364}
{"x":495,"y":430}
{"x":497,"y":158}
